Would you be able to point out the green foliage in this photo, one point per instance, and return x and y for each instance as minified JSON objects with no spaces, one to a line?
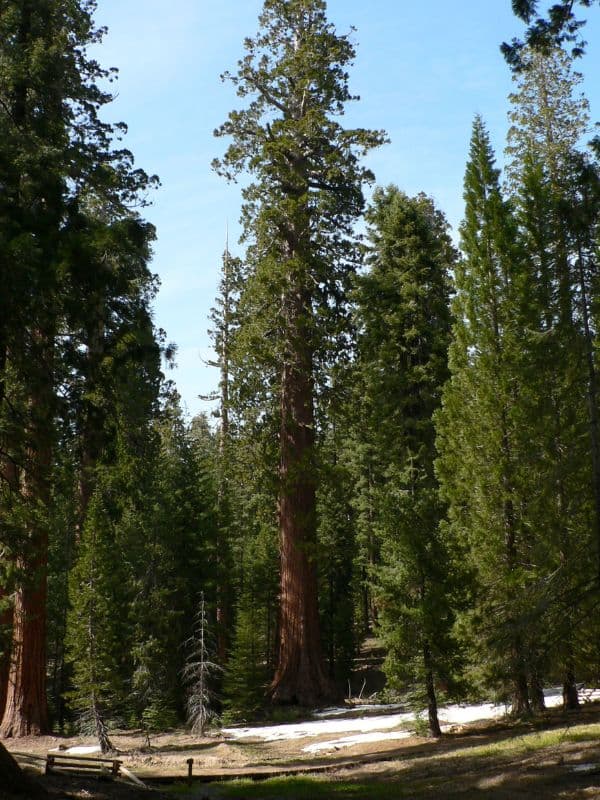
{"x":557,"y":27}
{"x":479,"y":438}
{"x":77,"y":343}
{"x":246,"y":675}
{"x":337,"y":557}
{"x":299,"y":211}
{"x":95,"y":631}
{"x":404,"y":328}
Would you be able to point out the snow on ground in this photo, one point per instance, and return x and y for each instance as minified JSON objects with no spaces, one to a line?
{"x":359,"y":738}
{"x":300,"y":730}
{"x":79,"y":750}
{"x":461,"y":714}
{"x":380,"y":727}
{"x":448,"y":716}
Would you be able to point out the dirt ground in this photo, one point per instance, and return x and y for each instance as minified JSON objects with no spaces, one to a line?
{"x":569,"y":769}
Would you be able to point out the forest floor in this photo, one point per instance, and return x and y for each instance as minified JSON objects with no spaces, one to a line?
{"x":554,"y":755}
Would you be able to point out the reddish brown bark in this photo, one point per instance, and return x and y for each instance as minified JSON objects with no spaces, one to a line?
{"x":26,"y":710}
{"x":300,"y":676}
{"x":10,"y":480}
{"x":23,"y":704}
{"x":5,"y":627}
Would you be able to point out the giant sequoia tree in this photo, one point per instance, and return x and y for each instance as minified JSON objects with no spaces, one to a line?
{"x":58,"y":168}
{"x":298,"y":214}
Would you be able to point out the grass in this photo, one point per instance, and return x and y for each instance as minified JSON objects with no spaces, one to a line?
{"x":529,"y":743}
{"x":501,"y":769}
{"x":305,"y":788}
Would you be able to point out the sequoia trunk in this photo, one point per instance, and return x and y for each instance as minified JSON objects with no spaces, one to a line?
{"x":300,"y":676}
{"x":26,"y":713}
{"x":5,"y":629}
{"x":26,"y":710}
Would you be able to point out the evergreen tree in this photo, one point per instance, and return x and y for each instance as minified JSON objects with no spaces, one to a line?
{"x":168,"y":530}
{"x":247,"y":671}
{"x":557,"y":215}
{"x":95,"y":631}
{"x":199,"y":673}
{"x":224,"y":319}
{"x":298,"y":216}
{"x":337,"y":552}
{"x":404,"y":330}
{"x":55,"y":153}
{"x":560,"y":25}
{"x":479,"y":432}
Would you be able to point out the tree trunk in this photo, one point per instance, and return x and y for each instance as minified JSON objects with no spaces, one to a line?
{"x":520,"y":698}
{"x":14,"y":782}
{"x":570,"y":693}
{"x":9,"y":476}
{"x":434,"y":723}
{"x":106,"y":745}
{"x":536,"y":688}
{"x":5,"y":630}
{"x":26,"y":711}
{"x":223,"y":566}
{"x":300,"y":676}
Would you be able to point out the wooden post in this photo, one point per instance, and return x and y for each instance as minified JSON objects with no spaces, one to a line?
{"x":190,"y":763}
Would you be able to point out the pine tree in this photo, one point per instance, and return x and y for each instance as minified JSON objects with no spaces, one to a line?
{"x":298,"y":216}
{"x":480,"y":467}
{"x":404,"y":330}
{"x":247,"y":672}
{"x":167,"y":528}
{"x":95,"y":631}
{"x":224,"y":319}
{"x":199,"y":673}
{"x":557,"y":215}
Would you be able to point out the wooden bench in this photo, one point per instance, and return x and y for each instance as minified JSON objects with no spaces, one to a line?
{"x":104,"y":767}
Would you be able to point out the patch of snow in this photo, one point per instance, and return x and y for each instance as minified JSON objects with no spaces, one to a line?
{"x":587,"y":695}
{"x":379,"y":727}
{"x":461,"y":714}
{"x":83,"y":749}
{"x":360,"y":738}
{"x":273,"y":733}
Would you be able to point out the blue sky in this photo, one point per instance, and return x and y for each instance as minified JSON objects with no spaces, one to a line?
{"x":423,"y":70}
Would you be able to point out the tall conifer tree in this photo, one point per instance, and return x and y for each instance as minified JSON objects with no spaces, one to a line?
{"x":298,"y":216}
{"x":479,"y":464}
{"x":55,"y":153}
{"x":552,"y":184}
{"x":404,"y":332}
